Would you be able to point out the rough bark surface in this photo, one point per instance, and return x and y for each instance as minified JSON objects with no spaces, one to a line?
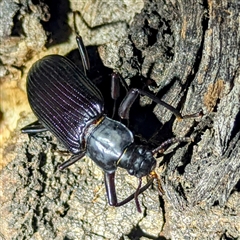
{"x":185,"y":52}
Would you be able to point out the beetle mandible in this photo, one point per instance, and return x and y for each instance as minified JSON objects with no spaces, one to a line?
{"x":70,"y":106}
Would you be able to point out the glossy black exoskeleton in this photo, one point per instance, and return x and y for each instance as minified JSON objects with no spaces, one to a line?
{"x":72,"y":108}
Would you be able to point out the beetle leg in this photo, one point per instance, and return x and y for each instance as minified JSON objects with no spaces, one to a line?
{"x":71,"y":160}
{"x":115,"y":88}
{"x":35,"y":127}
{"x":109,"y":179}
{"x":111,"y":191}
{"x":81,"y":47}
{"x":134,"y":93}
{"x":126,"y":104}
{"x":83,"y":54}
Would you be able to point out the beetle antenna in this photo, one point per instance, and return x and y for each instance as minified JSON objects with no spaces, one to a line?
{"x":170,"y":141}
{"x":136,"y":195}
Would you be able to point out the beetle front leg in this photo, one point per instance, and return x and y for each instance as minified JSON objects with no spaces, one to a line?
{"x":134,"y":93}
{"x":109,"y":179}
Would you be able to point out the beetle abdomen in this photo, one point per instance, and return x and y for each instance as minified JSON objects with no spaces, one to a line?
{"x":63,"y":99}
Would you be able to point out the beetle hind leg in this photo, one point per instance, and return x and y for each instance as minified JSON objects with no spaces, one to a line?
{"x":35,"y":127}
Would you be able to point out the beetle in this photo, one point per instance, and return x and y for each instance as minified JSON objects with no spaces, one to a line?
{"x":71,"y":107}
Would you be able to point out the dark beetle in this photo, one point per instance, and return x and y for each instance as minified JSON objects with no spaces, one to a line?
{"x":71,"y":107}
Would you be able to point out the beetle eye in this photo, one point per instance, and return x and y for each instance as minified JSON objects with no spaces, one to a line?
{"x":130,"y":171}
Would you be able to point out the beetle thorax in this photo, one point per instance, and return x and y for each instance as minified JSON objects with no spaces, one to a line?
{"x":107,"y":142}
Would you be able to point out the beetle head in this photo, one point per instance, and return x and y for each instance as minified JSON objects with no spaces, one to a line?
{"x":137,"y":160}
